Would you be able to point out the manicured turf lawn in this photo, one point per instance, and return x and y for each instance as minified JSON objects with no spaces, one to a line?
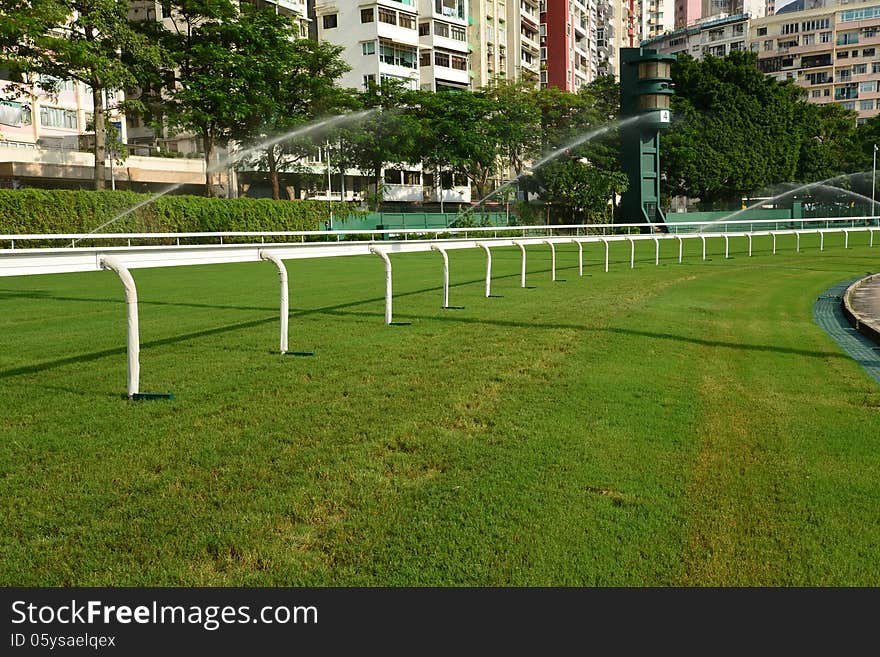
{"x":674,"y":425}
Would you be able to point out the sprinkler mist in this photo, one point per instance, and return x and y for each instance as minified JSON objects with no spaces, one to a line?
{"x":549,"y":157}
{"x":821,"y":184}
{"x":302,"y":131}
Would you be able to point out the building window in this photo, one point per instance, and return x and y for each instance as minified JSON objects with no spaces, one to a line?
{"x":816,"y":24}
{"x":407,"y":21}
{"x":459,"y":63}
{"x":458,"y":33}
{"x":824,"y":37}
{"x":425,"y":58}
{"x":54,"y":117}
{"x":816,"y":93}
{"x":869,"y":86}
{"x":790,"y":28}
{"x":368,"y":47}
{"x":762,"y":31}
{"x":441,"y":29}
{"x":387,"y":16}
{"x":368,"y":15}
{"x":398,"y":55}
{"x":330,"y":21}
{"x":369,"y":80}
{"x":809,"y":39}
{"x":866,"y":105}
{"x":859,"y":69}
{"x":424,"y":29}
{"x":441,"y":59}
{"x":868,"y":52}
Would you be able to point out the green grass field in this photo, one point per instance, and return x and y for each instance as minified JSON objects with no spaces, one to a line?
{"x":680,"y":425}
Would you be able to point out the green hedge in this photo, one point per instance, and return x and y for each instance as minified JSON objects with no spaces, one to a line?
{"x":39,"y":211}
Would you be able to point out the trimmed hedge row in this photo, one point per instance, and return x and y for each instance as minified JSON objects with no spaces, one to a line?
{"x":40,"y":211}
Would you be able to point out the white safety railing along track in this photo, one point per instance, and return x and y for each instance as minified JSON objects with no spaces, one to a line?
{"x":17,"y":261}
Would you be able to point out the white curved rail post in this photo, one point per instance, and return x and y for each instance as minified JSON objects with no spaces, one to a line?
{"x":580,"y":247}
{"x":435,"y":247}
{"x":606,"y":253}
{"x":387,"y":261}
{"x":632,"y":253}
{"x":285,"y":297}
{"x":522,"y":274}
{"x":821,"y":240}
{"x":703,"y":237}
{"x":749,"y":235}
{"x":656,"y":250}
{"x":845,"y":238}
{"x":680,"y":247}
{"x":726,"y":246}
{"x":797,"y":247}
{"x":773,"y":235}
{"x":131,"y":302}
{"x":485,"y":248}
{"x":552,"y":259}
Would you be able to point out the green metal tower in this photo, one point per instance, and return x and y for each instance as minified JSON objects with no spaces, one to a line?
{"x":645,"y":90}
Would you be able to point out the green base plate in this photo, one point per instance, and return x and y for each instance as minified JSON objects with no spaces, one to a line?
{"x":149,"y":396}
{"x":298,"y":353}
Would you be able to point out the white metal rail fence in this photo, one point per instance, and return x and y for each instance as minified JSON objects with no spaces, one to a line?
{"x":121,"y":252}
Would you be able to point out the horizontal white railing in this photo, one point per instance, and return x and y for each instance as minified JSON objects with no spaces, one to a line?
{"x":120,"y":259}
{"x":222,"y":237}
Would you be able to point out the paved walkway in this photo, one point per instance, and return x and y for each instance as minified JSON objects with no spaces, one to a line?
{"x":828,"y":313}
{"x":865,"y":304}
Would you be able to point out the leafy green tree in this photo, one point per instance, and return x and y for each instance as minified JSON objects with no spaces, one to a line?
{"x":735,"y":130}
{"x":457,"y":130}
{"x":223,"y":60}
{"x":389,"y":133}
{"x":295,"y":89}
{"x":578,"y":191}
{"x":89,"y":41}
{"x":828,"y":146}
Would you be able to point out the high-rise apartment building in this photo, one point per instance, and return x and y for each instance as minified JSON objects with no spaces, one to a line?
{"x":504,"y":39}
{"x":421,"y":43}
{"x":687,"y":12}
{"x":832,"y":51}
{"x":569,"y":53}
{"x":657,"y":17}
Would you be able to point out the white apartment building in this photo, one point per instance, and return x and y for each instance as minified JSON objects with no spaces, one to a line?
{"x":380,"y":39}
{"x":657,"y":17}
{"x":618,"y":27}
{"x":443,"y":45}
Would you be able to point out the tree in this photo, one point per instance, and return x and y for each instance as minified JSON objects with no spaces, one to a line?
{"x":828,"y":146}
{"x":580,"y":191}
{"x":388,"y":133}
{"x":735,"y":129}
{"x":84,"y":40}
{"x":222,"y":61}
{"x":457,"y":131}
{"x":296,"y":86}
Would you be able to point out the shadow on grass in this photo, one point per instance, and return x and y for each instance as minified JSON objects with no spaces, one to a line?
{"x":341,"y":310}
{"x":593,"y":329}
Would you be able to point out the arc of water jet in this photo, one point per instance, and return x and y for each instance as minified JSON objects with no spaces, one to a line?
{"x":552,"y":156}
{"x":231,"y":160}
{"x":731,"y":216}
